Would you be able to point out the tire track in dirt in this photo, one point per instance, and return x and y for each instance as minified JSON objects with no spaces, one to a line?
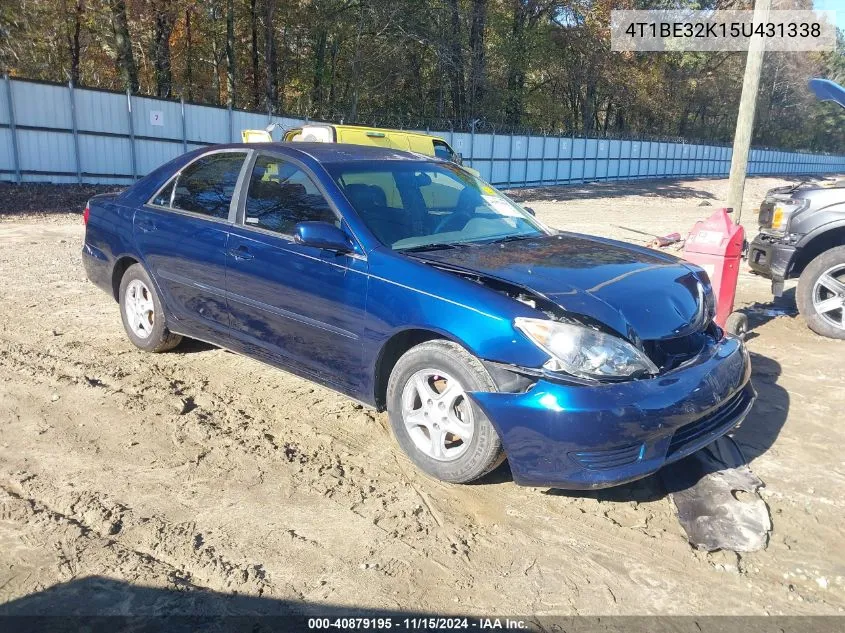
{"x":190,"y":560}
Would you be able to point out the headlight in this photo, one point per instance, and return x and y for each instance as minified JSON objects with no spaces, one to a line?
{"x":784,"y":209}
{"x":583,"y":352}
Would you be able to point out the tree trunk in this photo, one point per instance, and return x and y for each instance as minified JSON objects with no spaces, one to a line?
{"x":72,"y":32}
{"x":356,"y":67}
{"x":271,"y":87}
{"x":123,"y":45}
{"x":456,"y":60}
{"x":476,"y":46}
{"x":516,"y":66}
{"x":319,"y":69}
{"x":253,"y":26}
{"x":189,"y":57}
{"x":230,"y":53}
{"x":215,"y":77}
{"x":335,"y":50}
{"x":589,"y":110}
{"x":163,"y":27}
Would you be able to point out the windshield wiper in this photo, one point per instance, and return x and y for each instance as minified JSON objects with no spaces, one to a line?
{"x":432,"y":246}
{"x":511,"y":238}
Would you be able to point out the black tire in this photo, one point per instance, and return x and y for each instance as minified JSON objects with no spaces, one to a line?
{"x":737,"y":324}
{"x":806,"y":287}
{"x":159,"y":339}
{"x":484,"y":451}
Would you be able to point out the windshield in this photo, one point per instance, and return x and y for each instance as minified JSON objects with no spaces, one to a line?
{"x":425,"y":204}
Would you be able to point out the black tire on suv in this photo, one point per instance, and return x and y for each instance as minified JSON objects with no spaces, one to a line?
{"x":821,"y":293}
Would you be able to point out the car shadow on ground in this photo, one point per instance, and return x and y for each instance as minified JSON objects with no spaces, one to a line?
{"x":649,"y":188}
{"x":754,"y":437}
{"x":193,"y":346}
{"x":96,"y":603}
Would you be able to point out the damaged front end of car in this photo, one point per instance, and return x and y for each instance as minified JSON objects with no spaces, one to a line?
{"x":603,"y":409}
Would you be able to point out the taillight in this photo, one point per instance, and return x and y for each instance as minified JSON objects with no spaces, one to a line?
{"x":86,"y":214}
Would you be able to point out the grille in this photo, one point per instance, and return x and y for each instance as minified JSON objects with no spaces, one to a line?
{"x":611,"y":458}
{"x":667,"y":354}
{"x":722,"y":418}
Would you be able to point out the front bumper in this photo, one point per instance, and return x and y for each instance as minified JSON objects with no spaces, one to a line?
{"x":586,"y":437}
{"x":770,"y":257}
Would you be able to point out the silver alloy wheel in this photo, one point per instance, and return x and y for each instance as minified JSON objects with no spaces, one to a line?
{"x":829,"y":296}
{"x":139,"y":308}
{"x":437,"y":415}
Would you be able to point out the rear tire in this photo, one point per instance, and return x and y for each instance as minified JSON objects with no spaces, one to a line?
{"x":143,"y":313}
{"x":440,"y":429}
{"x":821,"y":294}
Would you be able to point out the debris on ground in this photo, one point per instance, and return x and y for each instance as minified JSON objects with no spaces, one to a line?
{"x":717,"y":498}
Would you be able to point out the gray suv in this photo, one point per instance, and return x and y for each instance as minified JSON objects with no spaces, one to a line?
{"x":802,"y":235}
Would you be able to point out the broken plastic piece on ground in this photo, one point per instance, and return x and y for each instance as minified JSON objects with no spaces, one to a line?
{"x":716,"y":495}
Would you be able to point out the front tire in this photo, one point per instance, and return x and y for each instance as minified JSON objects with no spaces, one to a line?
{"x":437,"y":425}
{"x":821,"y":293}
{"x":142,"y":312}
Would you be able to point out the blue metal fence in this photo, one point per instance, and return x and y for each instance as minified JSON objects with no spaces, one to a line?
{"x":58,"y":133}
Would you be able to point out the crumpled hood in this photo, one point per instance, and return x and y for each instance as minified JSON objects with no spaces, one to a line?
{"x":635,"y":291}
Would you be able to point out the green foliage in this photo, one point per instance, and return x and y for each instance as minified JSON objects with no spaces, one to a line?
{"x":496,"y":64}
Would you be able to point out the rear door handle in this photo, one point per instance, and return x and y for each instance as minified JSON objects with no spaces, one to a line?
{"x":145,"y":225}
{"x":240,"y":253}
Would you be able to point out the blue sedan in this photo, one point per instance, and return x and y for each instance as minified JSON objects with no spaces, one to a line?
{"x":410,"y":285}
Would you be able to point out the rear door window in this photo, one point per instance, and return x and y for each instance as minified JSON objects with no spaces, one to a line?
{"x":207,"y":185}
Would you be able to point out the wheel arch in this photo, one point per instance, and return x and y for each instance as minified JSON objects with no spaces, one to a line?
{"x":393,"y":349}
{"x":816,"y":244}
{"x":121,"y":265}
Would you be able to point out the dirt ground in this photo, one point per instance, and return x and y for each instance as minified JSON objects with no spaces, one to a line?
{"x":207,"y":473}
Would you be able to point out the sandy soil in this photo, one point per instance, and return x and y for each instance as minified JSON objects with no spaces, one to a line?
{"x":209,"y":473}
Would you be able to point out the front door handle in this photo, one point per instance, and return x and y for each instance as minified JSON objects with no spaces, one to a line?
{"x":240,"y":253}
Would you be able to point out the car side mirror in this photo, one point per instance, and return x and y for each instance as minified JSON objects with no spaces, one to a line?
{"x":322,"y":235}
{"x":458,"y":158}
{"x":530,"y":210}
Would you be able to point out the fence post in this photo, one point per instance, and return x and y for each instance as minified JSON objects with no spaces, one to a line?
{"x":492,"y":155}
{"x":184,"y":125}
{"x":231,"y":123}
{"x":510,"y":158}
{"x":13,"y":129}
{"x":472,"y":142}
{"x":557,"y":160}
{"x":75,"y":131}
{"x":527,"y":148}
{"x":543,"y":160}
{"x":131,"y":135}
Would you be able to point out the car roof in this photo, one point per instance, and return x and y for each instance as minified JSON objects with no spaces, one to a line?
{"x":334,"y":152}
{"x":343,"y":126}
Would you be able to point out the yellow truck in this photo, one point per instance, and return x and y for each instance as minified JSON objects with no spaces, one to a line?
{"x":360,"y":135}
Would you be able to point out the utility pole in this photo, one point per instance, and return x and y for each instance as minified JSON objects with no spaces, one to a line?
{"x":745,"y":118}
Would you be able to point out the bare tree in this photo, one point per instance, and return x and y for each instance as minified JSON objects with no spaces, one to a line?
{"x":164,"y":17}
{"x":73,"y":27}
{"x":272,"y":84}
{"x":253,"y":51}
{"x":478,"y":23}
{"x":230,"y":53}
{"x":126,"y":68}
